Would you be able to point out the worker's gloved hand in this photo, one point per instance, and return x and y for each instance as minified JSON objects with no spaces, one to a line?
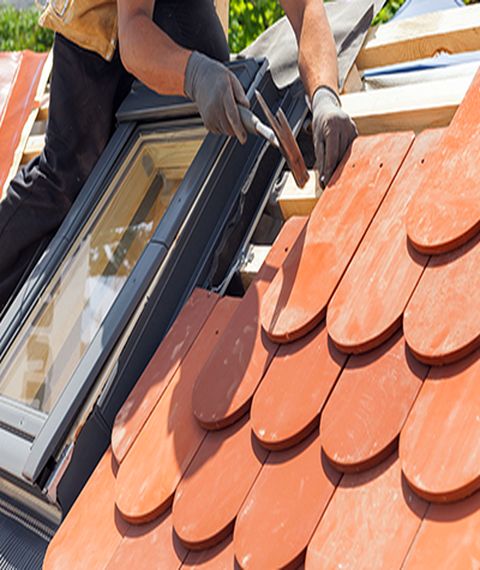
{"x":333,"y":132}
{"x":217,"y":92}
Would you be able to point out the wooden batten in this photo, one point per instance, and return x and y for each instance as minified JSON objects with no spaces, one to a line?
{"x":410,"y":107}
{"x":295,"y":201}
{"x":255,"y":258}
{"x":452,"y":31}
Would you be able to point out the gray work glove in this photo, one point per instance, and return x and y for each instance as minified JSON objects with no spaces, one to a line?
{"x":217,"y":92}
{"x":333,"y":132}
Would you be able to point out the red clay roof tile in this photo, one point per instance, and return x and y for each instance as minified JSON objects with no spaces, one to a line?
{"x":220,"y":557}
{"x":296,"y":301}
{"x":442,"y":319}
{"x":449,"y":538}
{"x":93,"y":529}
{"x":226,"y":384}
{"x":283,"y":508}
{"x":440,"y":443}
{"x":281,"y":415}
{"x":142,"y":400}
{"x":153,"y":545}
{"x":370,"y":522}
{"x":217,"y":482}
{"x":20,"y":74}
{"x":368,"y":305}
{"x":362,"y":420}
{"x":445,"y":213}
{"x":152,"y":469}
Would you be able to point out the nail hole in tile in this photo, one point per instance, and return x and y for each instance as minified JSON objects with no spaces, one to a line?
{"x":286,"y":249}
{"x":422,"y":161}
{"x":381,"y":165}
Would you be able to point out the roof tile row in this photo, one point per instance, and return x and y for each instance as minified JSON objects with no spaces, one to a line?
{"x":340,"y":447}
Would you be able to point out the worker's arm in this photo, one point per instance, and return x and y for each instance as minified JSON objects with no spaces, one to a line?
{"x":156,"y":60}
{"x":333,"y":130}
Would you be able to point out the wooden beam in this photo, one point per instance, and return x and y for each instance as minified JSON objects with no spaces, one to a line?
{"x":410,"y":107}
{"x":295,"y":201}
{"x":33,"y":148}
{"x":223,"y":7}
{"x":451,"y":31}
{"x":256,"y":255}
{"x":44,"y":108}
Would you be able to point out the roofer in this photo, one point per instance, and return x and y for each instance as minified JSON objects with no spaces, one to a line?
{"x":172,"y":46}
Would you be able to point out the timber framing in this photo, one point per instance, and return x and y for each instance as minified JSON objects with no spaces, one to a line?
{"x":449,"y":31}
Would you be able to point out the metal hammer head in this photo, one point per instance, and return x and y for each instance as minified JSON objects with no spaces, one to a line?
{"x":288,"y":143}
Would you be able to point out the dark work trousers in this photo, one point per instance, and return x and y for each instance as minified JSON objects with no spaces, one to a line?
{"x":86,"y":92}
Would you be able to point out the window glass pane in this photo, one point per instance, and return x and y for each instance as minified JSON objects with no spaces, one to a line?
{"x":68,"y":315}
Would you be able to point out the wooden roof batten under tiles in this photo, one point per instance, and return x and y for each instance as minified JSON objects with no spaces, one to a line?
{"x":354,"y":442}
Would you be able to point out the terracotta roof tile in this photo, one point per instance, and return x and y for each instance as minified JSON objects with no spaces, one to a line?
{"x":283,"y":508}
{"x":281,"y":415}
{"x":152,"y":469}
{"x":447,"y":295}
{"x":217,"y":482}
{"x":220,"y":557}
{"x":159,"y":372}
{"x":297,"y":299}
{"x":445,"y":213}
{"x":440,"y":443}
{"x":370,"y":522}
{"x":227,"y":382}
{"x":385,"y":267}
{"x":20,"y":74}
{"x":263,"y":471}
{"x":449,"y":538}
{"x":151,"y":545}
{"x":93,"y":528}
{"x":369,"y":405}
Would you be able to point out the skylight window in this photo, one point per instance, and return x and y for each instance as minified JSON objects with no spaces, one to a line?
{"x":70,"y":312}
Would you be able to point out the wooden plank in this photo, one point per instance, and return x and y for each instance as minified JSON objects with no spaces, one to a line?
{"x":44,"y":108}
{"x":295,"y":201}
{"x":33,"y":147}
{"x":255,"y":258}
{"x":223,"y":7}
{"x":451,"y":31}
{"x":411,"y":107}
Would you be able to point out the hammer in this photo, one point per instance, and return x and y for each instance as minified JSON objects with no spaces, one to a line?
{"x":278,"y":134}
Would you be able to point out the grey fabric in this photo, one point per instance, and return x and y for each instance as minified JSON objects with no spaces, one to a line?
{"x":216,"y":91}
{"x":349,"y":21}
